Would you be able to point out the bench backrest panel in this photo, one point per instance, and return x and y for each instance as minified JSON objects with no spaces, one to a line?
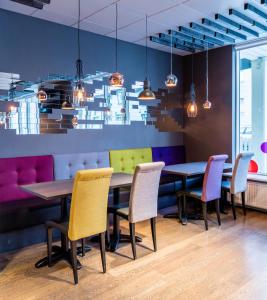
{"x":66,"y":165}
{"x":171,"y":155}
{"x":18,"y":171}
{"x":126,"y":160}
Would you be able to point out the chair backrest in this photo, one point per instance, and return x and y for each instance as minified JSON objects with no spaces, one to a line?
{"x":88,"y":211}
{"x":213,"y":178}
{"x":240,"y":172}
{"x":144,"y":192}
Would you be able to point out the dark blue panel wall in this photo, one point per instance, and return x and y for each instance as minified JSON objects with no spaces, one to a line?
{"x":34,"y":48}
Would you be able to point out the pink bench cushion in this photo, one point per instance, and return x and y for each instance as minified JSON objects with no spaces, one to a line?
{"x":23,"y":170}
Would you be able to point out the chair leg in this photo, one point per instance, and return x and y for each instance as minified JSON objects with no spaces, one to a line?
{"x":243,"y":196}
{"x":83,"y":247}
{"x":132,"y":234}
{"x":103,"y":250}
{"x":180,"y":207}
{"x":184,"y":206}
{"x":74,"y":260}
{"x":107,"y":232}
{"x":233,"y":205}
{"x":204,"y":210}
{"x":153,"y":230}
{"x":217,"y":204}
{"x":49,"y":246}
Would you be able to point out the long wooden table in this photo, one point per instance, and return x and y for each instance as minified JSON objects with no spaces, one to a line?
{"x":62,"y":189}
{"x":186,"y":171}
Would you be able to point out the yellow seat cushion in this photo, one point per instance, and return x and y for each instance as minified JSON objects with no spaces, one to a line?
{"x":125,"y":161}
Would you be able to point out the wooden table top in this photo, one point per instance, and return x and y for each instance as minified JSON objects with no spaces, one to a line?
{"x":190,"y":169}
{"x":62,"y":188}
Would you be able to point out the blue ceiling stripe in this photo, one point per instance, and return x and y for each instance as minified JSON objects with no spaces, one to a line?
{"x":190,"y":38}
{"x":255,"y":10}
{"x":166,"y":43}
{"x":247,"y":19}
{"x":200,"y":36}
{"x":236,"y":25}
{"x":206,"y":30}
{"x":175,"y":40}
{"x":229,"y":31}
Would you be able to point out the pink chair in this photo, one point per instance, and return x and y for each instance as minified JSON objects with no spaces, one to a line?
{"x":211,"y":189}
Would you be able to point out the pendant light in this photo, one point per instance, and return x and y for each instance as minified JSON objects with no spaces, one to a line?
{"x":41,"y":94}
{"x":207,"y":103}
{"x":192,"y":106}
{"x":147,"y":93}
{"x":79,"y":93}
{"x":116,"y":79}
{"x":171,"y":80}
{"x":66,"y":105}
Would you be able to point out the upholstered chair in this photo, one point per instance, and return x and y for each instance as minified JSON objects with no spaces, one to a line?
{"x":211,"y":189}
{"x":88,"y":213}
{"x":238,"y":183}
{"x":143,"y":203}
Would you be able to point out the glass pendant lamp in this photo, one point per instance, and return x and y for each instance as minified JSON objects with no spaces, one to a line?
{"x":171,"y":80}
{"x":41,"y":95}
{"x":146,"y":93}
{"x":116,"y":79}
{"x":79,"y":92}
{"x":192,"y":105}
{"x":207,"y":103}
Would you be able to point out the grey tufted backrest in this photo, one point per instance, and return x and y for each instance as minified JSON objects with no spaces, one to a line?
{"x":66,"y":165}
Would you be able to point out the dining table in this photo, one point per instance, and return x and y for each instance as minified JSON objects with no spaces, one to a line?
{"x":62,"y":189}
{"x":186,"y":171}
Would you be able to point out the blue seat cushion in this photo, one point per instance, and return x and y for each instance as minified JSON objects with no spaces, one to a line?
{"x":226,"y":185}
{"x":194,"y":192}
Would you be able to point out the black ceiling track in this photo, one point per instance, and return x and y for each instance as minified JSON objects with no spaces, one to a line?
{"x":236,"y":27}
{"x":38,"y":4}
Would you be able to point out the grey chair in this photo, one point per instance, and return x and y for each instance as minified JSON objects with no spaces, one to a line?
{"x":143,"y":203}
{"x":238,"y":183}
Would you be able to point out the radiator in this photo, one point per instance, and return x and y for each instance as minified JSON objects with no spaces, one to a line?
{"x":256,"y":195}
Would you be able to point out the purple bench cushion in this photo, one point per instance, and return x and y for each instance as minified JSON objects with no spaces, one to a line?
{"x":23,"y":170}
{"x":170,"y":155}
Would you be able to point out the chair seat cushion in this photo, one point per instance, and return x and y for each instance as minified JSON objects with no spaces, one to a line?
{"x":124,"y":212}
{"x":195,"y":192}
{"x":226,"y":185}
{"x":63,"y":227}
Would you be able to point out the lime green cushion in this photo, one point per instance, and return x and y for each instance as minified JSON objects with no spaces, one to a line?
{"x":125,"y":161}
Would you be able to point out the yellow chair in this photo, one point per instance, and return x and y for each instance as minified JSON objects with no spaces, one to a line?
{"x":88,"y":213}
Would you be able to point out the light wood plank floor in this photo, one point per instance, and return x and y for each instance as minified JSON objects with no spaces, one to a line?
{"x":229,"y":262}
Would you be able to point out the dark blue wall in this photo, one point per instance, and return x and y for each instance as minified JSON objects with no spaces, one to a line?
{"x":34,"y":48}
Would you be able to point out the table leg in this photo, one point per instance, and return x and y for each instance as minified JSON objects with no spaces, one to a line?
{"x":61,"y":252}
{"x":116,"y":236}
{"x":180,"y":215}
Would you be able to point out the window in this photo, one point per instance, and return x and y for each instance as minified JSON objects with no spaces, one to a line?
{"x":252,"y":108}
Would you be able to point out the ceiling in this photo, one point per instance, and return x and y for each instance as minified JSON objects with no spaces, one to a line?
{"x":98,"y":16}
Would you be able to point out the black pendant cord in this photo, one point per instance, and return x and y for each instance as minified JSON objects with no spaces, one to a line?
{"x":116,"y":37}
{"x":146,"y":49}
{"x":79,"y":66}
{"x":79,"y":18}
{"x":207,"y":73}
{"x":171,"y":51}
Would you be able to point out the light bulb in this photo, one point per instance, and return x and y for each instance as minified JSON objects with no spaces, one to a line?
{"x":207,"y":104}
{"x":116,"y":80}
{"x":192,"y":109}
{"x":79,"y":94}
{"x":42,"y":95}
{"x":171,"y":81}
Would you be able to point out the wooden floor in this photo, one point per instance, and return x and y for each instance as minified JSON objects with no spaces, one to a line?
{"x":229,"y":262}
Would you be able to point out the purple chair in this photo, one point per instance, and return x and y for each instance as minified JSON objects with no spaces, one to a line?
{"x":211,"y":189}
